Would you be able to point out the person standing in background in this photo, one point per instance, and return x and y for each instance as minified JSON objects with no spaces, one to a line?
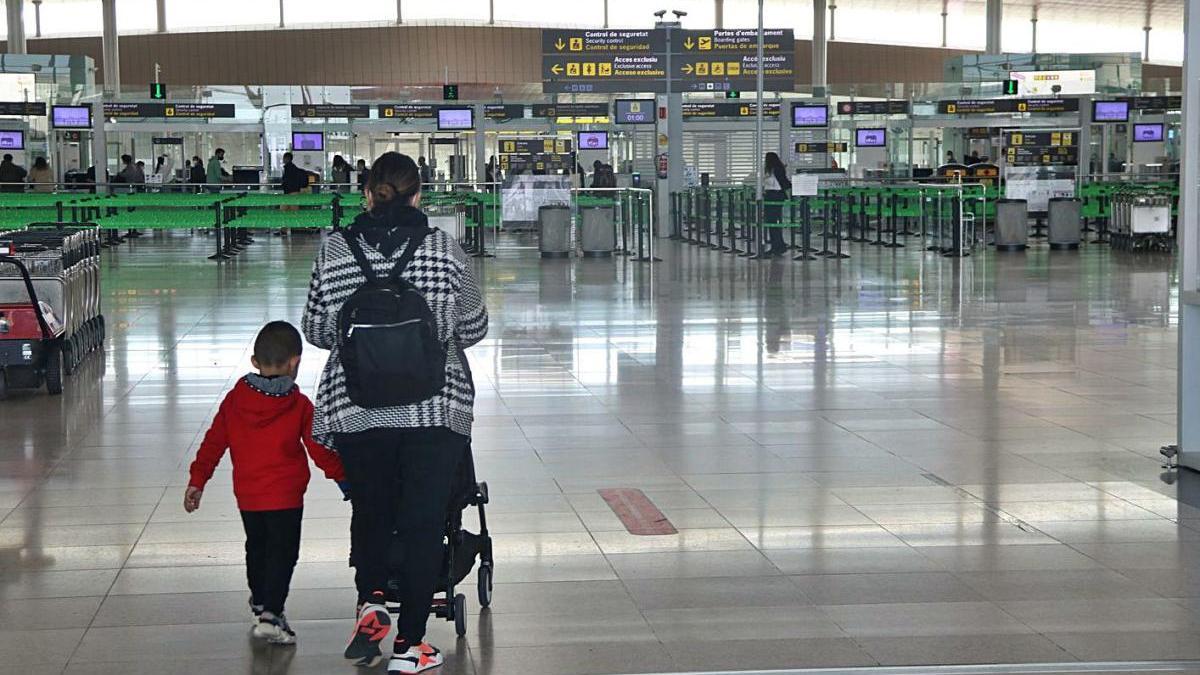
{"x":215,"y":175}
{"x":340,"y":173}
{"x":40,"y":176}
{"x":364,"y":174}
{"x":776,"y":185}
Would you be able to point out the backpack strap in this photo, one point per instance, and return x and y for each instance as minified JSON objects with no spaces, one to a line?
{"x":414,"y":243}
{"x":360,"y":256}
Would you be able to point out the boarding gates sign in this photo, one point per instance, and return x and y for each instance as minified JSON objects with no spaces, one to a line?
{"x":614,"y":61}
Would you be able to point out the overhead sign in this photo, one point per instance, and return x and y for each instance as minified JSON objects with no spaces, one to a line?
{"x":331,"y":110}
{"x":731,"y":109}
{"x":158,"y":91}
{"x":537,"y":162}
{"x":166,"y":140}
{"x":22,"y":108}
{"x":500,"y":112}
{"x":1156,"y":103}
{"x":403,"y":111}
{"x":985,"y":106}
{"x":610,"y":61}
{"x":873,"y":108}
{"x":1054,"y":82}
{"x":533,"y":146}
{"x":170,"y":110}
{"x":821,"y":148}
{"x":1041,"y":148}
{"x":543,"y":110}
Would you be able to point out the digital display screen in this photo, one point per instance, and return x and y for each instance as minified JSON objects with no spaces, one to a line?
{"x":455,"y":119}
{"x":1110,"y":111}
{"x":1147,"y":133}
{"x":635,"y":111}
{"x":870,"y":138}
{"x":12,"y":140}
{"x":308,"y":140}
{"x":71,"y":117}
{"x":804,"y":115}
{"x":593,"y":140}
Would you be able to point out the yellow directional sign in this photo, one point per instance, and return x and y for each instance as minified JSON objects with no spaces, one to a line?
{"x":717,"y":68}
{"x":559,"y":44}
{"x":576,"y":44}
{"x":589,"y":69}
{"x":169,"y":111}
{"x":701,"y":69}
{"x":572,"y":70}
{"x":705,"y":44}
{"x":688,"y":44}
{"x":556,"y":69}
{"x":606,"y":69}
{"x":733,"y":69}
{"x":687,"y":69}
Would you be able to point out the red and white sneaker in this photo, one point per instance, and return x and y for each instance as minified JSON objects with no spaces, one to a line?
{"x":417,"y":659}
{"x":372,"y":627}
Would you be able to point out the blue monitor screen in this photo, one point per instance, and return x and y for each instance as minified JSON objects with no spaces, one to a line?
{"x":1147,"y":133}
{"x":308,"y":140}
{"x":804,"y":115}
{"x":870,"y":138}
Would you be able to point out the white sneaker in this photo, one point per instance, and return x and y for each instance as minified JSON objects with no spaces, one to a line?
{"x":417,"y":659}
{"x":372,"y":627}
{"x":255,"y":612}
{"x":274,"y":629}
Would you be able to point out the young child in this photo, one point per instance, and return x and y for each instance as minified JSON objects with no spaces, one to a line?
{"x":266,"y":423}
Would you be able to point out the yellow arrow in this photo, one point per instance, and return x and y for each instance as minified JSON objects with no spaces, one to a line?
{"x":687,"y":68}
{"x":556,"y":69}
{"x":688,"y":44}
{"x":560,"y":44}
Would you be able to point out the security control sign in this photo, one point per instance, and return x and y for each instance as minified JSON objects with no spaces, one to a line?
{"x":502,"y":112}
{"x":821,"y":148}
{"x":406,"y":111}
{"x":534,"y":146}
{"x":331,"y":110}
{"x":873,"y":108}
{"x":608,"y":61}
{"x":22,"y":108}
{"x":542,"y":110}
{"x":1041,"y":148}
{"x":120,"y":110}
{"x":730,"y":109}
{"x":985,"y":106}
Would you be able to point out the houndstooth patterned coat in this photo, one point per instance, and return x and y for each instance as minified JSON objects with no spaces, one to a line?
{"x":444,"y":275}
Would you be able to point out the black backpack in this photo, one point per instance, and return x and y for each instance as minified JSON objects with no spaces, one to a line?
{"x":387,"y":337}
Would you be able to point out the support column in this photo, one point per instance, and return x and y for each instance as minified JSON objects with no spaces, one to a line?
{"x":945,"y":21}
{"x":718,"y":12}
{"x":15,"y":10}
{"x":109,"y":52}
{"x":819,"y":44}
{"x":833,"y":21}
{"x":37,"y":18}
{"x":282,"y":23}
{"x":399,"y":12}
{"x":995,"y":16}
{"x":606,"y":15}
{"x":1146,"y":50}
{"x":1188,"y":236}
{"x":480,"y":149}
{"x":160,"y":8}
{"x":1033,"y":29}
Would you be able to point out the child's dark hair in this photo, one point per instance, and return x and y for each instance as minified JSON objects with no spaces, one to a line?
{"x":393,"y":177}
{"x":276,"y":343}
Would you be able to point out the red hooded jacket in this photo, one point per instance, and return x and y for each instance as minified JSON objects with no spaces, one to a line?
{"x":266,"y":435}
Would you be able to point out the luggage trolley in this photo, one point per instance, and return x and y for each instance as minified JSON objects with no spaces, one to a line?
{"x":49,"y":304}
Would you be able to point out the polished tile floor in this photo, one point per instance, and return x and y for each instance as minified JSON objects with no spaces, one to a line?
{"x":896,"y":460}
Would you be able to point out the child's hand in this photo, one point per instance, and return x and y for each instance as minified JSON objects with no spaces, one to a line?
{"x":191,"y":499}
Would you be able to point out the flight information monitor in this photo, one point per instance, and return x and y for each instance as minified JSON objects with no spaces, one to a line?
{"x":456,"y":119}
{"x":593,"y":140}
{"x":308,"y":140}
{"x":808,"y":115}
{"x":635,"y":111}
{"x":1110,"y":111}
{"x":71,"y":117}
{"x":870,"y":138}
{"x":1147,"y":133}
{"x":12,"y":140}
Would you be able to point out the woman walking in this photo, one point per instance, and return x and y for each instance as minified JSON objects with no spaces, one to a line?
{"x":416,"y":446}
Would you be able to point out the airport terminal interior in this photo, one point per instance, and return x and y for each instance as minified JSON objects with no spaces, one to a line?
{"x":824,"y":336}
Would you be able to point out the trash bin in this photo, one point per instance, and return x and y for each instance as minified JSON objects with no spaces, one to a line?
{"x":597,"y":230}
{"x":1012,"y":224}
{"x":1066,"y":227}
{"x":554,"y":230}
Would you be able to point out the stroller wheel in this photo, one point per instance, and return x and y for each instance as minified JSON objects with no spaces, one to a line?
{"x":484,"y":577}
{"x":460,"y":615}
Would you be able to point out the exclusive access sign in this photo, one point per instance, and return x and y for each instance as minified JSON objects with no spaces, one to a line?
{"x":611,"y":61}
